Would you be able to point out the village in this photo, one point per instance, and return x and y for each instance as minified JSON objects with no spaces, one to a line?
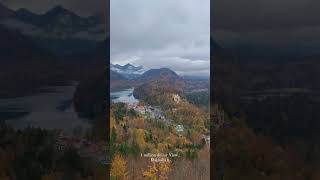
{"x":157,"y":114}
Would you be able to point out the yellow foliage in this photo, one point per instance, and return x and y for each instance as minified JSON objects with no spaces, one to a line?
{"x":164,"y":169}
{"x":139,"y":135}
{"x":151,"y":173}
{"x":158,"y":171}
{"x":119,"y":168}
{"x":162,"y":147}
{"x":154,"y":151}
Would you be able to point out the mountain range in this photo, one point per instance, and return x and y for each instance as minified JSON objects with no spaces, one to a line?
{"x":127,"y":71}
{"x":59,"y":30}
{"x":131,"y":72}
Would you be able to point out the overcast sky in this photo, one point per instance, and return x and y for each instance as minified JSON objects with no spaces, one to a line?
{"x":278,"y":24}
{"x":166,"y":33}
{"x":81,"y":7}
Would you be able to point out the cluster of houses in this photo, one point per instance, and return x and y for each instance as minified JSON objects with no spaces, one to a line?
{"x":154,"y":112}
{"x":139,"y":108}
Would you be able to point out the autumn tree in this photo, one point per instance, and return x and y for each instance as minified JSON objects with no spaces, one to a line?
{"x":119,"y":168}
{"x":151,"y":173}
{"x":139,"y":136}
{"x":158,"y":171}
{"x":164,"y":170}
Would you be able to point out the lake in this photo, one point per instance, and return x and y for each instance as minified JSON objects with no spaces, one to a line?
{"x":124,"y":96}
{"x":51,"y":109}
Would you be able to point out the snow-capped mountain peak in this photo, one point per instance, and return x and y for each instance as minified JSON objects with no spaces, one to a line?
{"x":129,"y":71}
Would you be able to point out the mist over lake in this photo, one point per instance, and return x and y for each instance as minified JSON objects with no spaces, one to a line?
{"x":51,"y":109}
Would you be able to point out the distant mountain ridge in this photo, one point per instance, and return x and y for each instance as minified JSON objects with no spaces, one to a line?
{"x":116,"y":76}
{"x":58,"y":21}
{"x":139,"y":73}
{"x":56,"y":17}
{"x":59,"y":30}
{"x":128,"y":71}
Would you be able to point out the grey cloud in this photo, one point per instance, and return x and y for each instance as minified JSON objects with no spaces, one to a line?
{"x":263,"y":25}
{"x":167,"y":33}
{"x":282,"y":37}
{"x":306,"y":40}
{"x":245,"y":15}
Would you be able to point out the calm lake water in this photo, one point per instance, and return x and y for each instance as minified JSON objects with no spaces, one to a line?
{"x":125,"y":96}
{"x":52,"y":109}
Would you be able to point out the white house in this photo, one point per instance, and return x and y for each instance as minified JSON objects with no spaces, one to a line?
{"x":179,"y":128}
